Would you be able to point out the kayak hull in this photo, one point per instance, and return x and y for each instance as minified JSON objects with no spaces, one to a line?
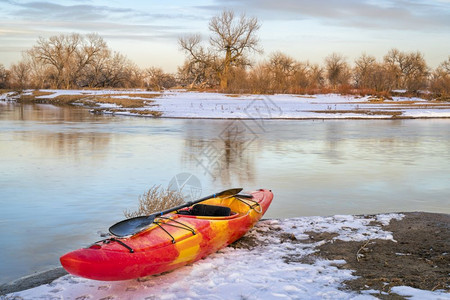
{"x":175,"y":241}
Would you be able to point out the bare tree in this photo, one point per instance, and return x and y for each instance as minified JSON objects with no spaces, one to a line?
{"x":259,"y":79}
{"x":440,"y":80}
{"x":409,"y":69}
{"x":416,"y":72}
{"x":445,"y":66}
{"x":363,"y":71}
{"x":92,"y":50}
{"x":57,"y":52}
{"x":234,"y":38}
{"x":67,"y":58}
{"x":372,"y":75}
{"x":230,"y":42}
{"x":20,"y":75}
{"x":316,"y":76}
{"x":281,"y":68}
{"x":200,"y":68}
{"x":4,"y":74}
{"x":115,"y":71}
{"x":157,"y":80}
{"x":72,"y":61}
{"x":198,"y":73}
{"x":338,"y":70}
{"x":239,"y":80}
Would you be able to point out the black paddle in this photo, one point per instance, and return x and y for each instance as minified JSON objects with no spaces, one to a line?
{"x":134,"y":225}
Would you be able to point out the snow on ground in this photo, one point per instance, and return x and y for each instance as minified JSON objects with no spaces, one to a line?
{"x":6,"y":97}
{"x":101,"y":92}
{"x":273,"y":269}
{"x":183,"y":104}
{"x":285,"y":106}
{"x":325,"y":106}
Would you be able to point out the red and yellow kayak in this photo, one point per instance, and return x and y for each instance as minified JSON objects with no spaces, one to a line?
{"x":173,"y":240}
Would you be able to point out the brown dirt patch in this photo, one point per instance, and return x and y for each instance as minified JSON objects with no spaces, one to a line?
{"x":153,"y":113}
{"x":306,"y":96}
{"x":133,"y":100}
{"x":143,"y":113}
{"x":137,"y":95}
{"x":420,"y":258}
{"x":58,"y":100}
{"x":64,"y":99}
{"x":245,"y":242}
{"x":392,"y":113}
{"x":124,"y":102}
{"x":250,"y":241}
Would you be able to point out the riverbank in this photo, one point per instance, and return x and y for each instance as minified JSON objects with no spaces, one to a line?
{"x":381,"y":256}
{"x":206,"y":105}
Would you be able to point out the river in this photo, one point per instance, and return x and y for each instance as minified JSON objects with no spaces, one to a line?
{"x":66,"y":175}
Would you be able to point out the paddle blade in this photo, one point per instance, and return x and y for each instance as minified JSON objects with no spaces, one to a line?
{"x":230,"y":192}
{"x":131,"y":226}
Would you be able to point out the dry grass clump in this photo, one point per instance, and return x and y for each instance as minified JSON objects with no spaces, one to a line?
{"x":146,"y":112}
{"x":32,"y":98}
{"x":154,"y":200}
{"x":25,"y":98}
{"x":61,"y":99}
{"x":124,"y":102}
{"x":143,"y":113}
{"x":376,"y":99}
{"x":306,"y":96}
{"x":443,"y":98}
{"x":137,"y":95}
{"x":67,"y":99}
{"x":391,"y":113}
{"x":38,"y":93}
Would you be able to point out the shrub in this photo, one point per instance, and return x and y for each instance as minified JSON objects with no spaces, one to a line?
{"x":154,"y":200}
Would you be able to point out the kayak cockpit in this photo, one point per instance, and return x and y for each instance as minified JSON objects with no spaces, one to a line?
{"x":222,"y":208}
{"x":206,"y":210}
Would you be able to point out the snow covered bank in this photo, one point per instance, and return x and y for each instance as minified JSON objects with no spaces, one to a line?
{"x":328,"y":106}
{"x":273,"y":261}
{"x":182,"y":104}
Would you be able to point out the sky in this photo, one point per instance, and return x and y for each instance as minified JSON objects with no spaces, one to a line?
{"x":147,"y":32}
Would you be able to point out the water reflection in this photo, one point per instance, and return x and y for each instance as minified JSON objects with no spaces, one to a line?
{"x":67,"y":144}
{"x":57,"y":130}
{"x":221,"y":150}
{"x":42,"y":112}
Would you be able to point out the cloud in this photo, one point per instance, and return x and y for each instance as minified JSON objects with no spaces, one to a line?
{"x":44,"y":18}
{"x":289,"y":24}
{"x":45,"y":10}
{"x":384,"y":14}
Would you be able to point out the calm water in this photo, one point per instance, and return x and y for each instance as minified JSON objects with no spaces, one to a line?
{"x":67,"y":175}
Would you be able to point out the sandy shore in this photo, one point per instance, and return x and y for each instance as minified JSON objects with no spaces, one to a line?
{"x":383,"y":265}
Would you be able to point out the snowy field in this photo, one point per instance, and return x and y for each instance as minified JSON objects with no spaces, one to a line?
{"x":274,"y":268}
{"x":328,"y":106}
{"x":182,"y":104}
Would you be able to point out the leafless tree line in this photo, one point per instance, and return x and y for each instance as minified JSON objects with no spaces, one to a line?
{"x":78,"y":61}
{"x":224,"y":62}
